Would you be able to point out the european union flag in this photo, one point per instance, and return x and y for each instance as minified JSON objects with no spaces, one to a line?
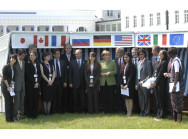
{"x":176,"y":39}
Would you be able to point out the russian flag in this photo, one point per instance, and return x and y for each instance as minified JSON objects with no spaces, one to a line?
{"x":80,"y":42}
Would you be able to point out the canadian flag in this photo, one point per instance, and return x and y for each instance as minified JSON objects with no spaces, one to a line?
{"x":41,"y":40}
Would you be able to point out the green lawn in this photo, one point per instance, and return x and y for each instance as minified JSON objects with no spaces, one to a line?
{"x":96,"y":121}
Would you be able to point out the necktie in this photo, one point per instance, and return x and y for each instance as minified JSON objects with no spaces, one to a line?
{"x":68,"y":58}
{"x":20,"y":65}
{"x":57,"y":69}
{"x":120,"y":64}
{"x":79,"y":63}
{"x":135,"y":63}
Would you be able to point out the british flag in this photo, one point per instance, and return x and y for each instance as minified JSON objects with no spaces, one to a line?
{"x":144,"y":40}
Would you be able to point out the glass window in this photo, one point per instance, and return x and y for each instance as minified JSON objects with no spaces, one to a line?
{"x":135,"y":21}
{"x":176,"y":17}
{"x":151,"y":19}
{"x":142,"y":21}
{"x":186,"y":16}
{"x":113,"y":27}
{"x":127,"y":22}
{"x":108,"y":28}
{"x":158,"y":19}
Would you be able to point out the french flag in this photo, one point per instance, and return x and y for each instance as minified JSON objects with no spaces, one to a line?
{"x":58,"y":41}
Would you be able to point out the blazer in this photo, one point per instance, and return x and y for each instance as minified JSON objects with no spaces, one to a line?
{"x":63,"y":68}
{"x":96,"y":74}
{"x":76,"y":74}
{"x":7,"y":75}
{"x":145,"y":72}
{"x":118,"y":75}
{"x":130,"y":74}
{"x":109,"y":67}
{"x":29,"y":74}
{"x":161,"y":69}
{"x":19,"y":77}
{"x":64,"y":58}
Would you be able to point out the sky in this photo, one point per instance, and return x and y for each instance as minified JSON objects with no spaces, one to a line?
{"x":97,"y":5}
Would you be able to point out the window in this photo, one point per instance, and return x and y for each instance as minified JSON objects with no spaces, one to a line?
{"x":119,"y":15}
{"x":113,"y":27}
{"x":127,"y":22}
{"x":102,"y":28}
{"x":158,"y":19}
{"x":108,"y":28}
{"x":109,"y":12}
{"x":134,"y":21}
{"x":81,"y":29}
{"x":151,"y":19}
{"x":119,"y":27}
{"x":186,"y":16}
{"x":142,"y":21}
{"x":176,"y":17}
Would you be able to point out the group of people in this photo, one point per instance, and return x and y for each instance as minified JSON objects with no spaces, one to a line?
{"x":64,"y":81}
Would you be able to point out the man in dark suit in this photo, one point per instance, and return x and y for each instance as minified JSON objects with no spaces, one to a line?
{"x":60,"y":81}
{"x":144,"y":72}
{"x":77,"y":81}
{"x":135,"y":60}
{"x":67,"y":91}
{"x":19,"y":85}
{"x":119,"y":63}
{"x":154,"y":61}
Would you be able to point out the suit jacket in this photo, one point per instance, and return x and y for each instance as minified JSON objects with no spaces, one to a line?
{"x":19,"y":77}
{"x":96,"y":74}
{"x":161,"y":69}
{"x":130,"y":76}
{"x":110,"y":67}
{"x":76,"y":74}
{"x":145,"y":72}
{"x":29,"y":74}
{"x":7,"y":75}
{"x":63,"y":68}
{"x":118,"y":75}
{"x":64,"y":58}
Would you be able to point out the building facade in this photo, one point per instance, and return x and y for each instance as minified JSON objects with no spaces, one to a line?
{"x":60,"y":21}
{"x":155,"y":20}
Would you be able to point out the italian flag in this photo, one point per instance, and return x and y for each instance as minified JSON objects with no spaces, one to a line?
{"x":160,"y":39}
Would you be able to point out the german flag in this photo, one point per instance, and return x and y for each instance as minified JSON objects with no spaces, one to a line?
{"x":102,"y":40}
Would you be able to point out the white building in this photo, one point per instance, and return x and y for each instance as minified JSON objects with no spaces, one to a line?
{"x":154,"y":20}
{"x":110,"y":21}
{"x":63,"y":21}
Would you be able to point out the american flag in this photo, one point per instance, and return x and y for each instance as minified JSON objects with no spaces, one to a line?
{"x":144,"y":40}
{"x":123,"y":40}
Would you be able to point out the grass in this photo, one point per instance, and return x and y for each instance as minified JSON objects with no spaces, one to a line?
{"x":93,"y":121}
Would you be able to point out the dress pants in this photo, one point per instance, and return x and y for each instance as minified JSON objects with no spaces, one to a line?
{"x":121,"y":106}
{"x":9,"y":105}
{"x":19,"y":103}
{"x":79,"y":99}
{"x":93,"y":99}
{"x":108,"y":98}
{"x":144,"y":98}
{"x":58,"y":94}
{"x":67,"y":99}
{"x":136,"y":107}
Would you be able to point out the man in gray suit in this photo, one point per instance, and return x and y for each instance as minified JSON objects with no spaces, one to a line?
{"x":19,"y":85}
{"x":144,"y":72}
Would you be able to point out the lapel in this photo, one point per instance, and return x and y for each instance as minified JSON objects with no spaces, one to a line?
{"x":144,"y":64}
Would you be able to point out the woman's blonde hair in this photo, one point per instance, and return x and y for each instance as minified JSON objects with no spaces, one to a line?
{"x":104,"y":53}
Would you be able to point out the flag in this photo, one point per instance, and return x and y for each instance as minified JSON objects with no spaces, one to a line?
{"x":176,"y":39}
{"x":102,"y":40}
{"x":80,"y":42}
{"x":41,"y":40}
{"x":123,"y":40}
{"x":144,"y":40}
{"x":155,"y":39}
{"x":164,"y":39}
{"x":21,"y":41}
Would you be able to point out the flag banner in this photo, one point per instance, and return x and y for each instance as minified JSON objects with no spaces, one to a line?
{"x":41,"y":40}
{"x":144,"y":40}
{"x":98,"y":39}
{"x":176,"y":39}
{"x":123,"y":40}
{"x":102,"y":40}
